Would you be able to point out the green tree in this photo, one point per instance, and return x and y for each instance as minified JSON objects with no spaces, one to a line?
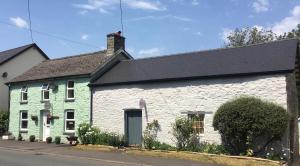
{"x":3,"y":122}
{"x":248,"y":36}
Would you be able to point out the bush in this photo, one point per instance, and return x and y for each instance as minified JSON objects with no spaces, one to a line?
{"x":57,"y":140}
{"x":247,"y":121}
{"x":20,"y":138}
{"x":49,"y":140}
{"x":150,"y":134}
{"x":4,"y":116}
{"x":182,"y":131}
{"x":92,"y":135}
{"x":32,"y":138}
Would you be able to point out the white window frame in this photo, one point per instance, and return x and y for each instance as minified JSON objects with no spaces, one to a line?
{"x":70,"y":88}
{"x":24,"y":90}
{"x":21,"y":120}
{"x":66,"y":120}
{"x":197,"y":114}
{"x":45,"y":89}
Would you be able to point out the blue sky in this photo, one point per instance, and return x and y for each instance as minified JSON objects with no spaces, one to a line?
{"x":151,"y":28}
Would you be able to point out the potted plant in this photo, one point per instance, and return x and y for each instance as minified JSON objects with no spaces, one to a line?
{"x":49,"y":140}
{"x":34,"y":117}
{"x":32,"y":138}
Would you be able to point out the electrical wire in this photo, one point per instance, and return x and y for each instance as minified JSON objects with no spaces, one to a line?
{"x":121,"y":14}
{"x":29,"y":16}
{"x":55,"y":36}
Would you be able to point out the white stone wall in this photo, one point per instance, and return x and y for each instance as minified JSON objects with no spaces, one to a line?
{"x":166,"y":101}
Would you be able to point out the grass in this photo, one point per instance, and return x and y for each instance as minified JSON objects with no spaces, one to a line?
{"x":200,"y":157}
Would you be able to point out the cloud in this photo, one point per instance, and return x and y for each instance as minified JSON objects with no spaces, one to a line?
{"x":104,"y":5}
{"x":287,"y":23}
{"x":195,"y":2}
{"x":19,"y":22}
{"x":84,"y":37}
{"x":83,"y":12}
{"x":198,"y":34}
{"x":260,"y":6}
{"x":225,"y":33}
{"x":150,"y":52}
{"x":179,"y":18}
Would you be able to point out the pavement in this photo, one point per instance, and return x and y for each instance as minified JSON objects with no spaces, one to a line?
{"x":22,"y":153}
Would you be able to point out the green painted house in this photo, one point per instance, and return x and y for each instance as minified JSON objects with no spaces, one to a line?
{"x":53,"y":98}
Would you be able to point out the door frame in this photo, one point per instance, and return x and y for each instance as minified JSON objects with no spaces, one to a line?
{"x":42,"y":130}
{"x":126,"y":123}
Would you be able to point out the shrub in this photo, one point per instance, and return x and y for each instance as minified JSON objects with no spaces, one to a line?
{"x":32,"y":138}
{"x":150,"y":134}
{"x":49,"y":140}
{"x":247,"y":121}
{"x":20,"y":138}
{"x":57,"y":140}
{"x":92,"y":135}
{"x":182,"y":131}
{"x":4,"y":116}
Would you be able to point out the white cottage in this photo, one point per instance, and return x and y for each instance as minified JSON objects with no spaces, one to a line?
{"x":129,"y":94}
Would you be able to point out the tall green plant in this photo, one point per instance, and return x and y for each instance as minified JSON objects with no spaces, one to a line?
{"x":3,"y":122}
{"x":182,"y":131}
{"x":150,"y":134}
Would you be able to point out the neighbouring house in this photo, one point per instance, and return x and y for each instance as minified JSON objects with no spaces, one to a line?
{"x":53,"y":98}
{"x":133,"y":93}
{"x":14,"y":62}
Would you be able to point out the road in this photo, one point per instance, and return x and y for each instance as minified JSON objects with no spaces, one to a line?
{"x":15,"y":153}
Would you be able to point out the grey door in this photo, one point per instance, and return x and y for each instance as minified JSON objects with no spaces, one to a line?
{"x":133,"y":127}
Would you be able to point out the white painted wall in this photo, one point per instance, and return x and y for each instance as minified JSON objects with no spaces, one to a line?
{"x":166,"y":101}
{"x":15,"y":67}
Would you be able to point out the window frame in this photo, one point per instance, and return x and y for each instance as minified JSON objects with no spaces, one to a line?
{"x":47,"y":89}
{"x":24,"y":90}
{"x":66,"y":120}
{"x":21,"y":120}
{"x":190,"y":116}
{"x":68,"y":88}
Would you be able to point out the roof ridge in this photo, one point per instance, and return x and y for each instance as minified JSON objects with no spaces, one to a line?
{"x":25,"y":46}
{"x":213,"y":49}
{"x":79,"y":55}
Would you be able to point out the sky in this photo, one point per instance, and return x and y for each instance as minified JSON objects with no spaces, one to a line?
{"x":152,"y":28}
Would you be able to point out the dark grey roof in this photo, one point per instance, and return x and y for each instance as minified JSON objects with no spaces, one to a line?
{"x":277,"y":56}
{"x":77,"y":65}
{"x":9,"y":54}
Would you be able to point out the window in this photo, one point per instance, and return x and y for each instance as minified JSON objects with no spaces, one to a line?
{"x":23,"y":120}
{"x":197,"y":122}
{"x":45,"y":92}
{"x":70,"y":90}
{"x":24,"y":94}
{"x":70,"y":121}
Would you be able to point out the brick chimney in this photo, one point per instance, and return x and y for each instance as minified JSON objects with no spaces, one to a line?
{"x":115,"y":42}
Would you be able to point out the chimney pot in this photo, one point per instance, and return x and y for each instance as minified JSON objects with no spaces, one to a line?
{"x":115,"y":42}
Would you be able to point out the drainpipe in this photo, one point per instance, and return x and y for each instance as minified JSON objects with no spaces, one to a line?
{"x":91,"y":106}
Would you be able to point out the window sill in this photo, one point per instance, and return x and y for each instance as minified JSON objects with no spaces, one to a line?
{"x":69,"y":100}
{"x":69,"y":133}
{"x":23,"y":131}
{"x":24,"y":102}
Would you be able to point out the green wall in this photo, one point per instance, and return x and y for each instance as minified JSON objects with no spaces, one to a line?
{"x":81,"y":105}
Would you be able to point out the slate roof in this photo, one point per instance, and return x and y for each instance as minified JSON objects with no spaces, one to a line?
{"x":10,"y":54}
{"x":83,"y":64}
{"x":272,"y":57}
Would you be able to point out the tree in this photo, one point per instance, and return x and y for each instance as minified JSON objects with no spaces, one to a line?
{"x":248,"y":36}
{"x":249,"y":123}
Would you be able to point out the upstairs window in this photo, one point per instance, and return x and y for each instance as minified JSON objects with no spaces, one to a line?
{"x":23,"y":120}
{"x":24,"y":94}
{"x":197,"y":123}
{"x":45,"y":92}
{"x":70,"y":90}
{"x":70,"y":121}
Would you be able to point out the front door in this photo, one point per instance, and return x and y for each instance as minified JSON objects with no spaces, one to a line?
{"x":46,"y":125}
{"x":133,"y":127}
